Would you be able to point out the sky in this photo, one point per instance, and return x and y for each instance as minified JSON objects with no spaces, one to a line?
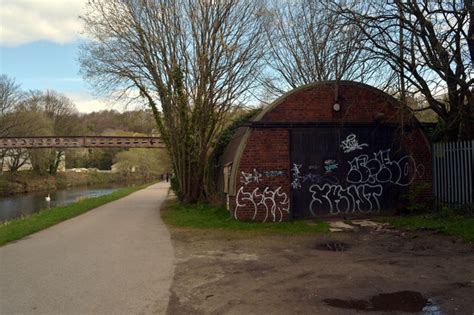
{"x":39,"y":42}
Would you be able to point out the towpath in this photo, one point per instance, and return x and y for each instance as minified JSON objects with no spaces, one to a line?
{"x":115,"y":259}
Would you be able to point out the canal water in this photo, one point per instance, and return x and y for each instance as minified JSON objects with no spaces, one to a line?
{"x":15,"y":206}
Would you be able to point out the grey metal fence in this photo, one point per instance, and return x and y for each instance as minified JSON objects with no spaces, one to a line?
{"x":453,"y":172}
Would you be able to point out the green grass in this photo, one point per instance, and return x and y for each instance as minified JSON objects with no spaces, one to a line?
{"x":18,"y":228}
{"x":451,"y":225}
{"x":204,"y":216}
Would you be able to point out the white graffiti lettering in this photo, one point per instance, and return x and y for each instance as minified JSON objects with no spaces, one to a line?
{"x":381,"y":169}
{"x":354,"y":198}
{"x":273,"y":203}
{"x":351,"y":144}
{"x":253,"y":177}
{"x":296,"y":176}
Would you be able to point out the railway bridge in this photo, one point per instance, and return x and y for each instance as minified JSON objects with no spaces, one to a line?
{"x":80,"y":142}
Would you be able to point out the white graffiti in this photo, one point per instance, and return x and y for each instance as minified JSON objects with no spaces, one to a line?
{"x":253,"y":177}
{"x":354,"y":198}
{"x":351,"y":144}
{"x":381,"y":169}
{"x":296,"y":175}
{"x":274,"y":202}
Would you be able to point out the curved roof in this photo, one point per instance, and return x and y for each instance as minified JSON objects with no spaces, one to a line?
{"x":282,"y":98}
{"x":244,"y":137}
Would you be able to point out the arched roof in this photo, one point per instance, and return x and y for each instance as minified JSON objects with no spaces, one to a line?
{"x":314,"y":85}
{"x":238,"y":150}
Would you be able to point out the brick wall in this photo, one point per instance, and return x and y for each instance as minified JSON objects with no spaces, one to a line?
{"x":263,"y":184}
{"x":358,"y":104}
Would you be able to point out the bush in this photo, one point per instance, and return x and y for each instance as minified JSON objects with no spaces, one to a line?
{"x":176,"y":188}
{"x":221,"y":144}
{"x":415,"y":199}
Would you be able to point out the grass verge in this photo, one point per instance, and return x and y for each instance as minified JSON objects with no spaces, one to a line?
{"x":18,"y":228}
{"x":460,"y":226}
{"x":204,"y":216}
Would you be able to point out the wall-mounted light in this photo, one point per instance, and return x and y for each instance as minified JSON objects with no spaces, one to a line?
{"x":336,"y":107}
{"x":378,"y":116}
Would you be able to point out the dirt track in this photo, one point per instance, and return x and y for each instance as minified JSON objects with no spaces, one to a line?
{"x":222,"y":272}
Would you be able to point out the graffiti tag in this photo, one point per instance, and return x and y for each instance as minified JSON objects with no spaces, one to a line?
{"x":320,"y":179}
{"x":273,"y":173}
{"x":254,"y":177}
{"x":330,"y":165}
{"x":382,"y":169}
{"x":271,"y":202}
{"x":363,"y":198}
{"x":296,"y":176}
{"x":351,"y":144}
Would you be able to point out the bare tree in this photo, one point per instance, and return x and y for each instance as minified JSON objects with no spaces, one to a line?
{"x":429,"y":44}
{"x":9,"y":97}
{"x":60,"y":114}
{"x":309,"y":43}
{"x":190,"y":60}
{"x":15,"y":159}
{"x":57,"y":107}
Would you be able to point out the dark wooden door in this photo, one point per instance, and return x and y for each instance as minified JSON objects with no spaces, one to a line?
{"x":347,"y":172}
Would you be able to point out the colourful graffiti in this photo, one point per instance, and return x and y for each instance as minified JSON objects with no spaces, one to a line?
{"x":330,"y":165}
{"x":320,"y":179}
{"x":273,"y":173}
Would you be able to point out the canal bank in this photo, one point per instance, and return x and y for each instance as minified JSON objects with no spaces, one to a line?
{"x":28,"y":181}
{"x":21,"y":205}
{"x":21,"y":227}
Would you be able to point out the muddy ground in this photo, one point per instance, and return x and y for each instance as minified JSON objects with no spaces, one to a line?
{"x":367,"y":269}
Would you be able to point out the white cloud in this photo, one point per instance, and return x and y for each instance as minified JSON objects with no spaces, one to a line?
{"x":24,"y":21}
{"x":87,"y":103}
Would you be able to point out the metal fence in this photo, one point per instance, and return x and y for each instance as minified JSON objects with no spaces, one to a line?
{"x":453,"y":173}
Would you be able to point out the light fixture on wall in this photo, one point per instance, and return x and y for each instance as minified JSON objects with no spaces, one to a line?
{"x":336,"y":106}
{"x":378,"y":116}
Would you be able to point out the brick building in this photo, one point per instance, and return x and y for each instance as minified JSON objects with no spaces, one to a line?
{"x":324,"y":150}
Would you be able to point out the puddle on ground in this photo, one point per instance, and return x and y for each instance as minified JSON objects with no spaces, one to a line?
{"x":402,"y":301}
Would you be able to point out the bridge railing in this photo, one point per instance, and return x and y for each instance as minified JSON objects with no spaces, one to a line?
{"x":80,"y":142}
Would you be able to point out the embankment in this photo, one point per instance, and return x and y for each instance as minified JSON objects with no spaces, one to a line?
{"x":24,"y":182}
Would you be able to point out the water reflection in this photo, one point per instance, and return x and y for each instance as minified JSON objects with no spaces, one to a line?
{"x":19,"y":205}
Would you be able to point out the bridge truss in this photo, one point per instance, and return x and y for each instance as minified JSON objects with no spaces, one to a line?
{"x":80,"y":142}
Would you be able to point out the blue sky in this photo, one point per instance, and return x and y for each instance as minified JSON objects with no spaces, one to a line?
{"x":39,"y":42}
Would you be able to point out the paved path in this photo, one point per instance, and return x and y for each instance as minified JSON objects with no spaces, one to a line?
{"x":116,"y":259}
